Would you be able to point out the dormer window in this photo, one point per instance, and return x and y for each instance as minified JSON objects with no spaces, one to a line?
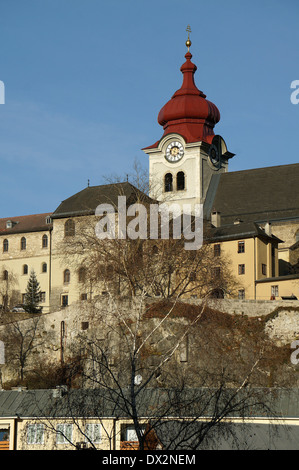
{"x":48,"y":220}
{"x":11,"y":223}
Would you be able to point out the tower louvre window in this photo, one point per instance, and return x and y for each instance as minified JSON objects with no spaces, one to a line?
{"x":168,"y":183}
{"x":180,"y":181}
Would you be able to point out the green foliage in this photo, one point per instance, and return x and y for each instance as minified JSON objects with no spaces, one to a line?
{"x":32,"y":296}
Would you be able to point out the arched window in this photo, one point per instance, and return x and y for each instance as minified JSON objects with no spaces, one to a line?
{"x":69,"y":228}
{"x":23,"y":243}
{"x":180,"y":181}
{"x":25,"y":269}
{"x":81,"y":274}
{"x":5,"y":275}
{"x":44,"y":267}
{"x":45,"y":241}
{"x":66,"y":276}
{"x":168,"y":182}
{"x":5,"y":245}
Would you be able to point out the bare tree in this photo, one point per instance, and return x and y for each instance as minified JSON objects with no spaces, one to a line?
{"x":8,"y":292}
{"x":22,"y":339}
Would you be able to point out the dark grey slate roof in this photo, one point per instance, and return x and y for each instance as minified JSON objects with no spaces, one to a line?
{"x":237,"y":231}
{"x":86,"y":201}
{"x":270,"y":193}
{"x":150,"y":402}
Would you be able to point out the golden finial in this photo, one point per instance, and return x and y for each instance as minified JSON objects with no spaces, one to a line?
{"x":188,"y":42}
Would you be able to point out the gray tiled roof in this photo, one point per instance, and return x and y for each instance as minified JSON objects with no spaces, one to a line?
{"x":150,"y":402}
{"x":86,"y":201}
{"x":261,"y":194}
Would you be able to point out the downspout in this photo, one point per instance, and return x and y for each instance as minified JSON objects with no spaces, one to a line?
{"x":254,"y":268}
{"x":15,"y":434}
{"x":50,"y":270}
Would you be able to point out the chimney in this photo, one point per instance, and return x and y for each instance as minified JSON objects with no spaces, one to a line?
{"x":59,"y":391}
{"x":216,"y":219}
{"x":268,"y":229}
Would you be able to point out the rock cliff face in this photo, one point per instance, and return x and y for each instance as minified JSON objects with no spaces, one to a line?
{"x":229,"y":334}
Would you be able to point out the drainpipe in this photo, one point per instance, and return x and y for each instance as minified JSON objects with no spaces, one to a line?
{"x":255,"y":268}
{"x":15,"y":434}
{"x":50,"y":270}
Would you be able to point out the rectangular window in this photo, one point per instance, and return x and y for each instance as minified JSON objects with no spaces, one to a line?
{"x":241,"y":247}
{"x":264,"y":269}
{"x":84,"y":325}
{"x":241,"y":269}
{"x":183,"y":350}
{"x":217,"y":271}
{"x":274,"y":291}
{"x":64,"y":300}
{"x":217,"y":250}
{"x":35,"y":434}
{"x":241,"y":294}
{"x":93,"y":433}
{"x":42,"y":297}
{"x":83,"y":296}
{"x":64,"y":433}
{"x":128,"y":433}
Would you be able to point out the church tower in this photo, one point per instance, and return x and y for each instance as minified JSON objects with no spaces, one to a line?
{"x":183,"y":161}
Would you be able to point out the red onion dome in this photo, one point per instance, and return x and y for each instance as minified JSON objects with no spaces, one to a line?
{"x":188,"y":112}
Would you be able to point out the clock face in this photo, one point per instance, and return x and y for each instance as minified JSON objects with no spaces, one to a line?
{"x":174,"y":152}
{"x":214,"y":155}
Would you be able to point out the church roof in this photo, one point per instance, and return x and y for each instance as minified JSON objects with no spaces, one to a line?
{"x":25,"y":223}
{"x":262,"y":194}
{"x":86,"y":201}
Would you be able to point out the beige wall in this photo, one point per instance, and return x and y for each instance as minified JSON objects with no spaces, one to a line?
{"x":285,"y":288}
{"x":34,"y":256}
{"x":257,"y":252}
{"x":50,"y":441}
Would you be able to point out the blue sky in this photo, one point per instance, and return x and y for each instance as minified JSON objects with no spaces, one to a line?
{"x":85,"y":80}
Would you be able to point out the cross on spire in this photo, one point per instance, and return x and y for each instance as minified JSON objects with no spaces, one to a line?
{"x":188,"y":42}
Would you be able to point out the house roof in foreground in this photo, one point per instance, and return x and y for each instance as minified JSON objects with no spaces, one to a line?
{"x":151,"y":402}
